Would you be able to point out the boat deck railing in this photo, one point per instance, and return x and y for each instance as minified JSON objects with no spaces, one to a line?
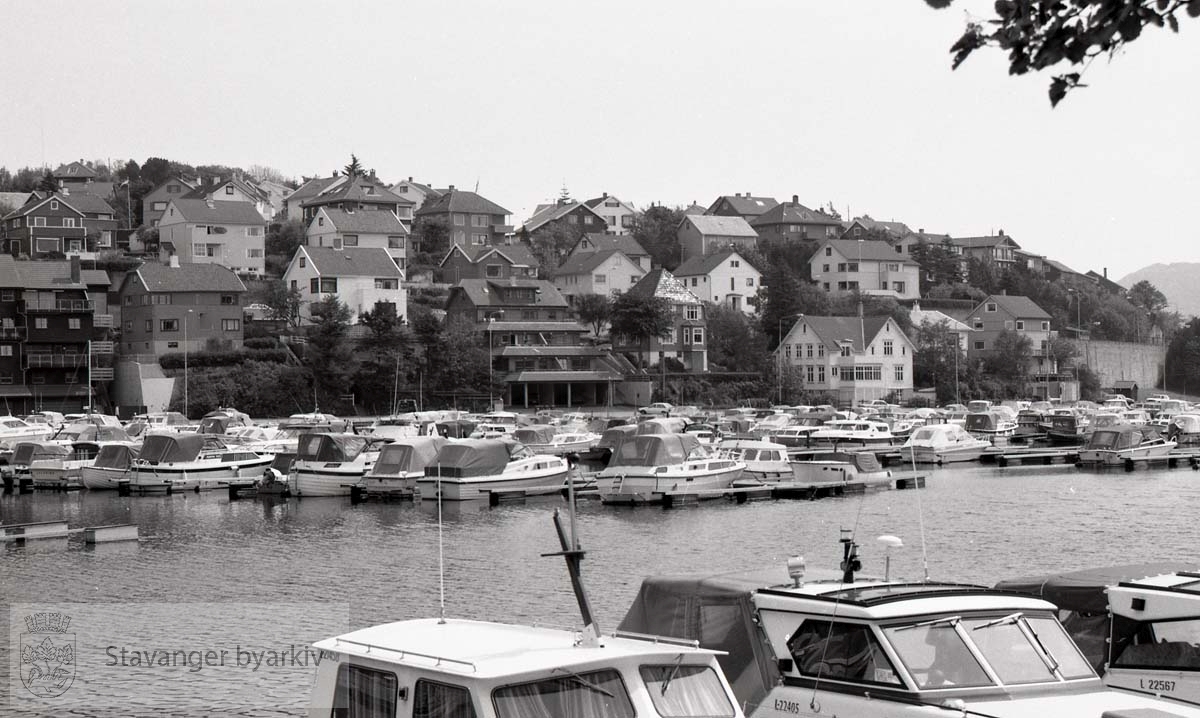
{"x":653,"y":638}
{"x":402,"y":654}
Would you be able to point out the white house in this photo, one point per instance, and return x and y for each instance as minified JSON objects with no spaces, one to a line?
{"x":360,"y":276}
{"x":722,"y":278}
{"x":609,"y":272}
{"x":855,"y":359}
{"x":618,"y":215}
{"x":200,"y":231}
{"x":868,"y":266}
{"x":339,"y":228}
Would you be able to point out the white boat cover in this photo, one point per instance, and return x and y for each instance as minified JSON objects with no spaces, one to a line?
{"x":407,"y":455}
{"x":1120,"y":436}
{"x":664,"y":425}
{"x":654,"y":450}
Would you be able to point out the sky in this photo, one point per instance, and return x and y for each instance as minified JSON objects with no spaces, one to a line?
{"x":849,"y":103}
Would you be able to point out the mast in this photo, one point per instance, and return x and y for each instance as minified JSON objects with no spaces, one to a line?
{"x":89,"y":376}
{"x":574,"y":558}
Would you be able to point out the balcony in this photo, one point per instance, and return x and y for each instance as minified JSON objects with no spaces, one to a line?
{"x":62,"y":306}
{"x":50,"y":361}
{"x":102,"y":347}
{"x":12,"y":333}
{"x":102,"y":373}
{"x":102,"y":321}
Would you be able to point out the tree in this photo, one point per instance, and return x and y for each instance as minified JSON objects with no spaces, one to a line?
{"x":48,"y":183}
{"x":281,"y":243}
{"x":655,"y":229}
{"x":551,"y":242}
{"x":384,"y":323}
{"x":430,"y":241}
{"x":1009,"y":360}
{"x":735,"y":342}
{"x":594,"y":309}
{"x":935,"y":363}
{"x":1040,"y":34}
{"x":1146,"y":297}
{"x":938,"y":262}
{"x":328,"y":353}
{"x":640,"y":319}
{"x":353,"y":169}
{"x":284,"y":302}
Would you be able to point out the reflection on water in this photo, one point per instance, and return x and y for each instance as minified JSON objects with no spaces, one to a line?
{"x":979,"y":524}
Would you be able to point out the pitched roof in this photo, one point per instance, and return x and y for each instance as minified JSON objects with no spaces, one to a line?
{"x":586,"y":262}
{"x":794,"y":213}
{"x":360,"y":188}
{"x":367,"y":221}
{"x":517,"y":254}
{"x":189,"y":278}
{"x":746,"y":205}
{"x":461,"y":201}
{"x":188,"y":182}
{"x":872,"y":249}
{"x":711,"y":224}
{"x":921,"y":316}
{"x":427,"y":190}
{"x":978,"y":242}
{"x":896,"y":229}
{"x":352,"y":262}
{"x":489,"y":292}
{"x":1060,"y":266}
{"x":703,"y":265}
{"x":602,"y":242}
{"x":931,"y":237}
{"x":833,"y":330}
{"x":87,"y":202}
{"x":311,"y":187}
{"x":549,"y":213}
{"x":661,"y":283}
{"x":1018,"y":307}
{"x":694,"y":208}
{"x":221,"y":212}
{"x":47,"y":274}
{"x":597,"y":201}
{"x":37,"y":199}
{"x":246,"y":188}
{"x":75,"y":170}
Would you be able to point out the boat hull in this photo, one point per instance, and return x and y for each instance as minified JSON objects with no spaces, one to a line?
{"x":193,"y":476}
{"x":96,"y":478}
{"x":545,"y":480}
{"x":329,"y":481}
{"x":1118,"y":457}
{"x":638,"y":485}
{"x":404,"y":484}
{"x":932,"y":455}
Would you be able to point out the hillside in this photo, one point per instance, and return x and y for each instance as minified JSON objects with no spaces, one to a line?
{"x":1176,"y":280}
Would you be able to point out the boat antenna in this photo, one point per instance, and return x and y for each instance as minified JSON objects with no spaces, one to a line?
{"x":441,"y":555}
{"x":573,"y":555}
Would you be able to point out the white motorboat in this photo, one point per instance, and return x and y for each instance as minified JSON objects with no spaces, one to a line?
{"x":110,"y":467}
{"x":50,"y":457}
{"x":1102,"y":420}
{"x":942,"y":444}
{"x":329,"y":464}
{"x":837,"y":466}
{"x":545,"y":439}
{"x":1184,"y":429}
{"x":1114,"y":445}
{"x":14,"y":430}
{"x":827,"y":643}
{"x":798,"y":434}
{"x":400,"y":464}
{"x":476,"y":468}
{"x":646,"y":469}
{"x":765,"y":461}
{"x":170,"y":463}
{"x":853,"y":432}
{"x":221,"y":421}
{"x":65,"y":471}
{"x":990,"y":425}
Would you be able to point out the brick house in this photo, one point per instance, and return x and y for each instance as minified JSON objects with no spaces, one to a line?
{"x":173,"y":308}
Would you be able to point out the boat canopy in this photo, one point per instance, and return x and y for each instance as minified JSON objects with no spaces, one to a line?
{"x":1187,"y":423}
{"x":115,"y":456}
{"x":536,"y":434}
{"x":329,"y":447}
{"x":456,"y":429}
{"x":664,"y":425}
{"x":938,"y":435}
{"x":171,"y":448}
{"x":92,"y":432}
{"x":617,"y":435}
{"x":654,"y":450}
{"x":1120,"y":436}
{"x":408,"y":455}
{"x":983,"y":421}
{"x":29,"y":451}
{"x":471,"y":457}
{"x":283,"y":461}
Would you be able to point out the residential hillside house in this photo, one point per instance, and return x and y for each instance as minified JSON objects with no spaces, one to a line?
{"x":866,"y":266}
{"x":694,"y":208}
{"x":999,"y":250}
{"x":932,"y":317}
{"x":174,"y":308}
{"x":470,"y":218}
{"x":200,"y":231}
{"x":537,"y":350}
{"x":276,"y":194}
{"x":234,"y":189}
{"x":292,"y":209}
{"x":154,"y":204}
{"x":865,"y":227}
{"x":78,"y":177}
{"x":487,"y":262}
{"x":1102,"y":281}
{"x":609,"y":272}
{"x":360,"y":193}
{"x":687,"y":341}
{"x":793,"y":221}
{"x":415,"y":192}
{"x":724,"y":278}
{"x":62,"y":223}
{"x":999,"y":313}
{"x":361,"y":277}
{"x":54,"y":334}
{"x":705,"y":234}
{"x":564,"y":215}
{"x":745,"y":206}
{"x":618,"y":216}
{"x":624,"y":243}
{"x":338,"y":228}
{"x":855,"y":359}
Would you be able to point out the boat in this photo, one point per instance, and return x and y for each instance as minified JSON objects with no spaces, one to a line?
{"x":645,"y":470}
{"x":50,"y":456}
{"x":275,"y":480}
{"x":535,"y":437}
{"x":170,"y":463}
{"x":400,"y":464}
{"x":1136,"y":624}
{"x":1137,"y":417}
{"x":852,"y":432}
{"x":765,"y":461}
{"x":1100,"y":421}
{"x":833,"y":643}
{"x":1184,"y":430}
{"x":65,"y":471}
{"x":978,"y":405}
{"x":331,"y":464}
{"x":571,"y":443}
{"x":838,"y":466}
{"x":1029,"y":424}
{"x":221,"y":421}
{"x":161,"y":421}
{"x":455,"y":668}
{"x":942,"y":444}
{"x":989,"y":425}
{"x":1064,"y":426}
{"x":609,"y":441}
{"x":1114,"y":445}
{"x":110,"y":467}
{"x":799,"y":434}
{"x":477,"y":468}
{"x":14,"y":430}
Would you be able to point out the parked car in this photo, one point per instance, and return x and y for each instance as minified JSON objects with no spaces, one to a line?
{"x":660,"y":408}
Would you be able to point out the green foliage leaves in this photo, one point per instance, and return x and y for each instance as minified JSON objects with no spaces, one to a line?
{"x":735,"y":342}
{"x":655,"y":229}
{"x":594,"y":309}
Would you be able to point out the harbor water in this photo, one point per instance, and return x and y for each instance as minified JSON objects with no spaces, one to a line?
{"x":256,"y":563}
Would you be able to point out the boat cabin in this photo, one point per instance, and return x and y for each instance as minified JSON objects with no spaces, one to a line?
{"x":115,"y":456}
{"x":1116,"y":437}
{"x":536,"y":435}
{"x":654,"y":450}
{"x":474,"y":457}
{"x":27,"y":452}
{"x":329,"y":448}
{"x":407,"y":456}
{"x":456,"y":428}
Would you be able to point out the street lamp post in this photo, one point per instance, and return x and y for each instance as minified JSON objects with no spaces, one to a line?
{"x":779,"y":352}
{"x":491,"y":385}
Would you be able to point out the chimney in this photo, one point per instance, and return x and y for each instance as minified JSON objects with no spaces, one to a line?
{"x":1106,"y":272}
{"x":173,"y":261}
{"x":795,"y":199}
{"x":921,"y":231}
{"x":372,"y":173}
{"x":737,"y":194}
{"x":209,"y":202}
{"x":75,"y":269}
{"x":604,"y":195}
{"x":451,"y":188}
{"x":65,"y":191}
{"x":410,"y":178}
{"x":335,"y":173}
{"x":1000,"y":232}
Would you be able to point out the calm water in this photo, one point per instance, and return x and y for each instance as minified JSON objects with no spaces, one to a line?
{"x":285,"y":572}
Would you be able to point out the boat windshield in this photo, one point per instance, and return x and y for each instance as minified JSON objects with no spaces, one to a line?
{"x":679,"y":690}
{"x":1019,"y":649}
{"x":597,"y":694}
{"x":1163,"y":645}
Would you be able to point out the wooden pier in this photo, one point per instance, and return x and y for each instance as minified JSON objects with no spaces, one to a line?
{"x":745,"y":491}
{"x":106,"y":534}
{"x":36,"y":530}
{"x":1010,"y":456}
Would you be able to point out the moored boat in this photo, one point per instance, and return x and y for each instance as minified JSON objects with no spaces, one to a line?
{"x":400,"y":464}
{"x":645,"y":470}
{"x":110,"y":467}
{"x":838,"y":466}
{"x":1116,"y":444}
{"x":330,"y":464}
{"x":609,"y":441}
{"x":852,"y":432}
{"x":942,"y":444}
{"x":475,"y":468}
{"x":989,"y":425}
{"x":765,"y":461}
{"x":170,"y":463}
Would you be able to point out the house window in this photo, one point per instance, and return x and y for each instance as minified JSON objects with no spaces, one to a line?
{"x":68,"y":221}
{"x":254,"y":253}
{"x":479,"y":239}
{"x":105,"y":239}
{"x":692,"y":312}
{"x":39,"y":221}
{"x":329,"y":285}
{"x":846,"y":349}
{"x":231,"y":325}
{"x":572,"y":219}
{"x":833,"y":372}
{"x":828,"y":251}
{"x":980,"y":345}
{"x":160,"y":206}
{"x":172,"y":345}
{"x":387,"y":283}
{"x":899,"y":372}
{"x":320,"y":221}
{"x":787,"y":351}
{"x":887,"y":347}
{"x":852,"y":267}
{"x":820,"y":373}
{"x":479,"y":220}
{"x":749,"y":281}
{"x":695,"y":281}
{"x":460,"y":220}
{"x":314,"y":285}
{"x":697,"y":335}
{"x":149,"y":325}
{"x":128,"y":326}
{"x":824,"y":267}
{"x":600,"y":279}
{"x":54,"y":204}
{"x":303,"y":261}
{"x":73,"y":323}
{"x":810,"y":373}
{"x":841,"y":266}
{"x":168,"y":325}
{"x":229,"y":189}
{"x":46,"y":244}
{"x":492,"y":270}
{"x":1045,"y":326}
{"x":898,"y":286}
{"x":350,"y":240}
{"x":978,"y":324}
{"x":734,"y":263}
{"x":395,"y":242}
{"x":6,"y":350}
{"x":893,"y":267}
{"x":627,"y":221}
{"x":228,"y":300}
{"x":990,"y":307}
{"x":74,"y":245}
{"x":808,"y":350}
{"x":1020,"y":326}
{"x":820,"y":350}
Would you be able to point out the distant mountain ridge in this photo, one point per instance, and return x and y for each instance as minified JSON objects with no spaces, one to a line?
{"x":1177,"y":280}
